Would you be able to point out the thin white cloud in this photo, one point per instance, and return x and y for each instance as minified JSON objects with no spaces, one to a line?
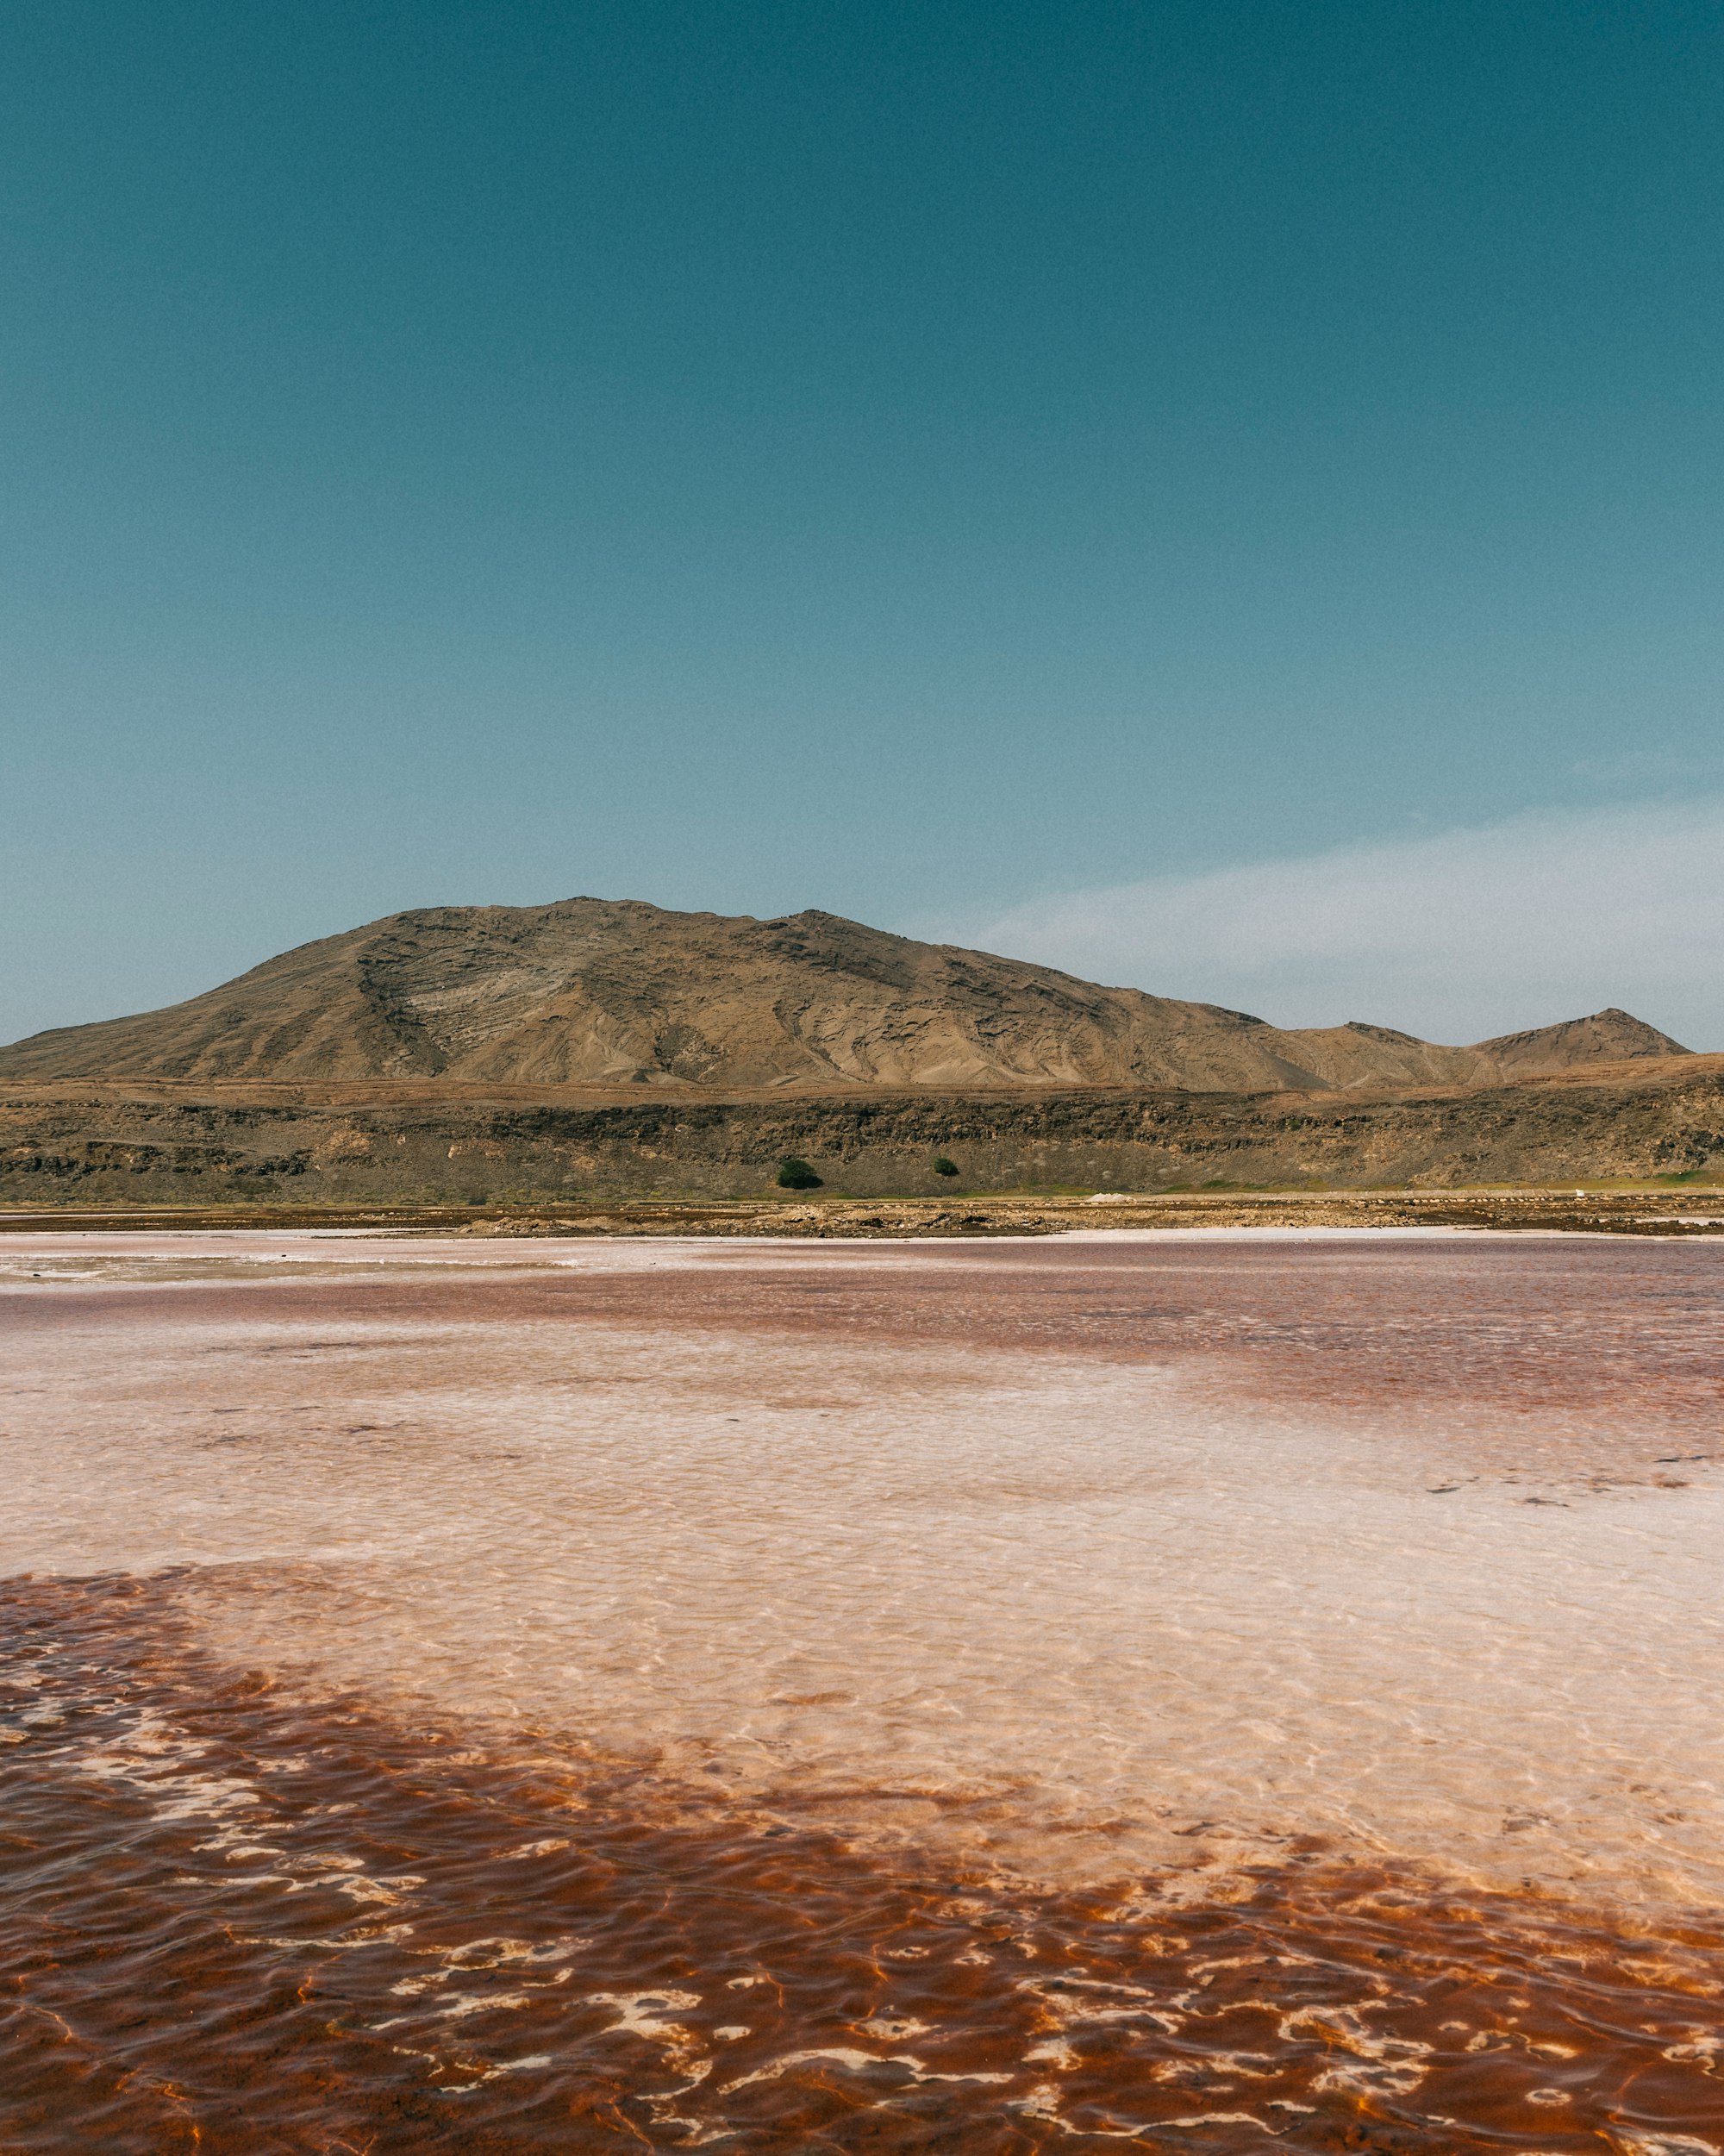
{"x":1454,"y":937}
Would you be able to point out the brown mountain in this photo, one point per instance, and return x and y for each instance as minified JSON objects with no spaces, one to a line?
{"x":595,"y":991}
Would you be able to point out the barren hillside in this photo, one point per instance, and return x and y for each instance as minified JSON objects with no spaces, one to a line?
{"x":600,"y":992}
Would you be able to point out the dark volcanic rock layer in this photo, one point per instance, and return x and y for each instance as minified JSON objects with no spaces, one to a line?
{"x":86,"y":1147}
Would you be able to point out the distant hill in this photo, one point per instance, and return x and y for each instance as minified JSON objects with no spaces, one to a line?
{"x":595,"y":991}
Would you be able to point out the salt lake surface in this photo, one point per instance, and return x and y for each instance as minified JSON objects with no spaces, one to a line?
{"x":1217,"y":1692}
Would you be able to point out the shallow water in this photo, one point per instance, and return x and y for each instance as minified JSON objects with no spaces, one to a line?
{"x":1203,"y":1692}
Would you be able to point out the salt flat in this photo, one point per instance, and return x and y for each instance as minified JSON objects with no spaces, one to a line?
{"x":1107,"y":1553}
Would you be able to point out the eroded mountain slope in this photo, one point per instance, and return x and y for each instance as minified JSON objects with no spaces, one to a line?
{"x":597,"y":991}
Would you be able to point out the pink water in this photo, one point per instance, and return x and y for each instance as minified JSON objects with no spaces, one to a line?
{"x":1212,"y":1691}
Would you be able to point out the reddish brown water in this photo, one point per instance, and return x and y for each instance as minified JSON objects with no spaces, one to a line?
{"x":694,"y":1699}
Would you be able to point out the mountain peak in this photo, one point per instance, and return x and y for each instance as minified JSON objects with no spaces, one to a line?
{"x":595,"y":991}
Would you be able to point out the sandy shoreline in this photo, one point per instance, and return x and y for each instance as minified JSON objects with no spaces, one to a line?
{"x":1599,"y":1208}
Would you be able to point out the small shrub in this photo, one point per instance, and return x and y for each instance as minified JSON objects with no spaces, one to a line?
{"x":796,"y":1175}
{"x":943,"y":1166}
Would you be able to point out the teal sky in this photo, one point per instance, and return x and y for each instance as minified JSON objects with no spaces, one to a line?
{"x":919,"y":460}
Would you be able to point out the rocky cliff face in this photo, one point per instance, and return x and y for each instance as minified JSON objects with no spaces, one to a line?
{"x":184,"y":1144}
{"x":599,"y":992}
